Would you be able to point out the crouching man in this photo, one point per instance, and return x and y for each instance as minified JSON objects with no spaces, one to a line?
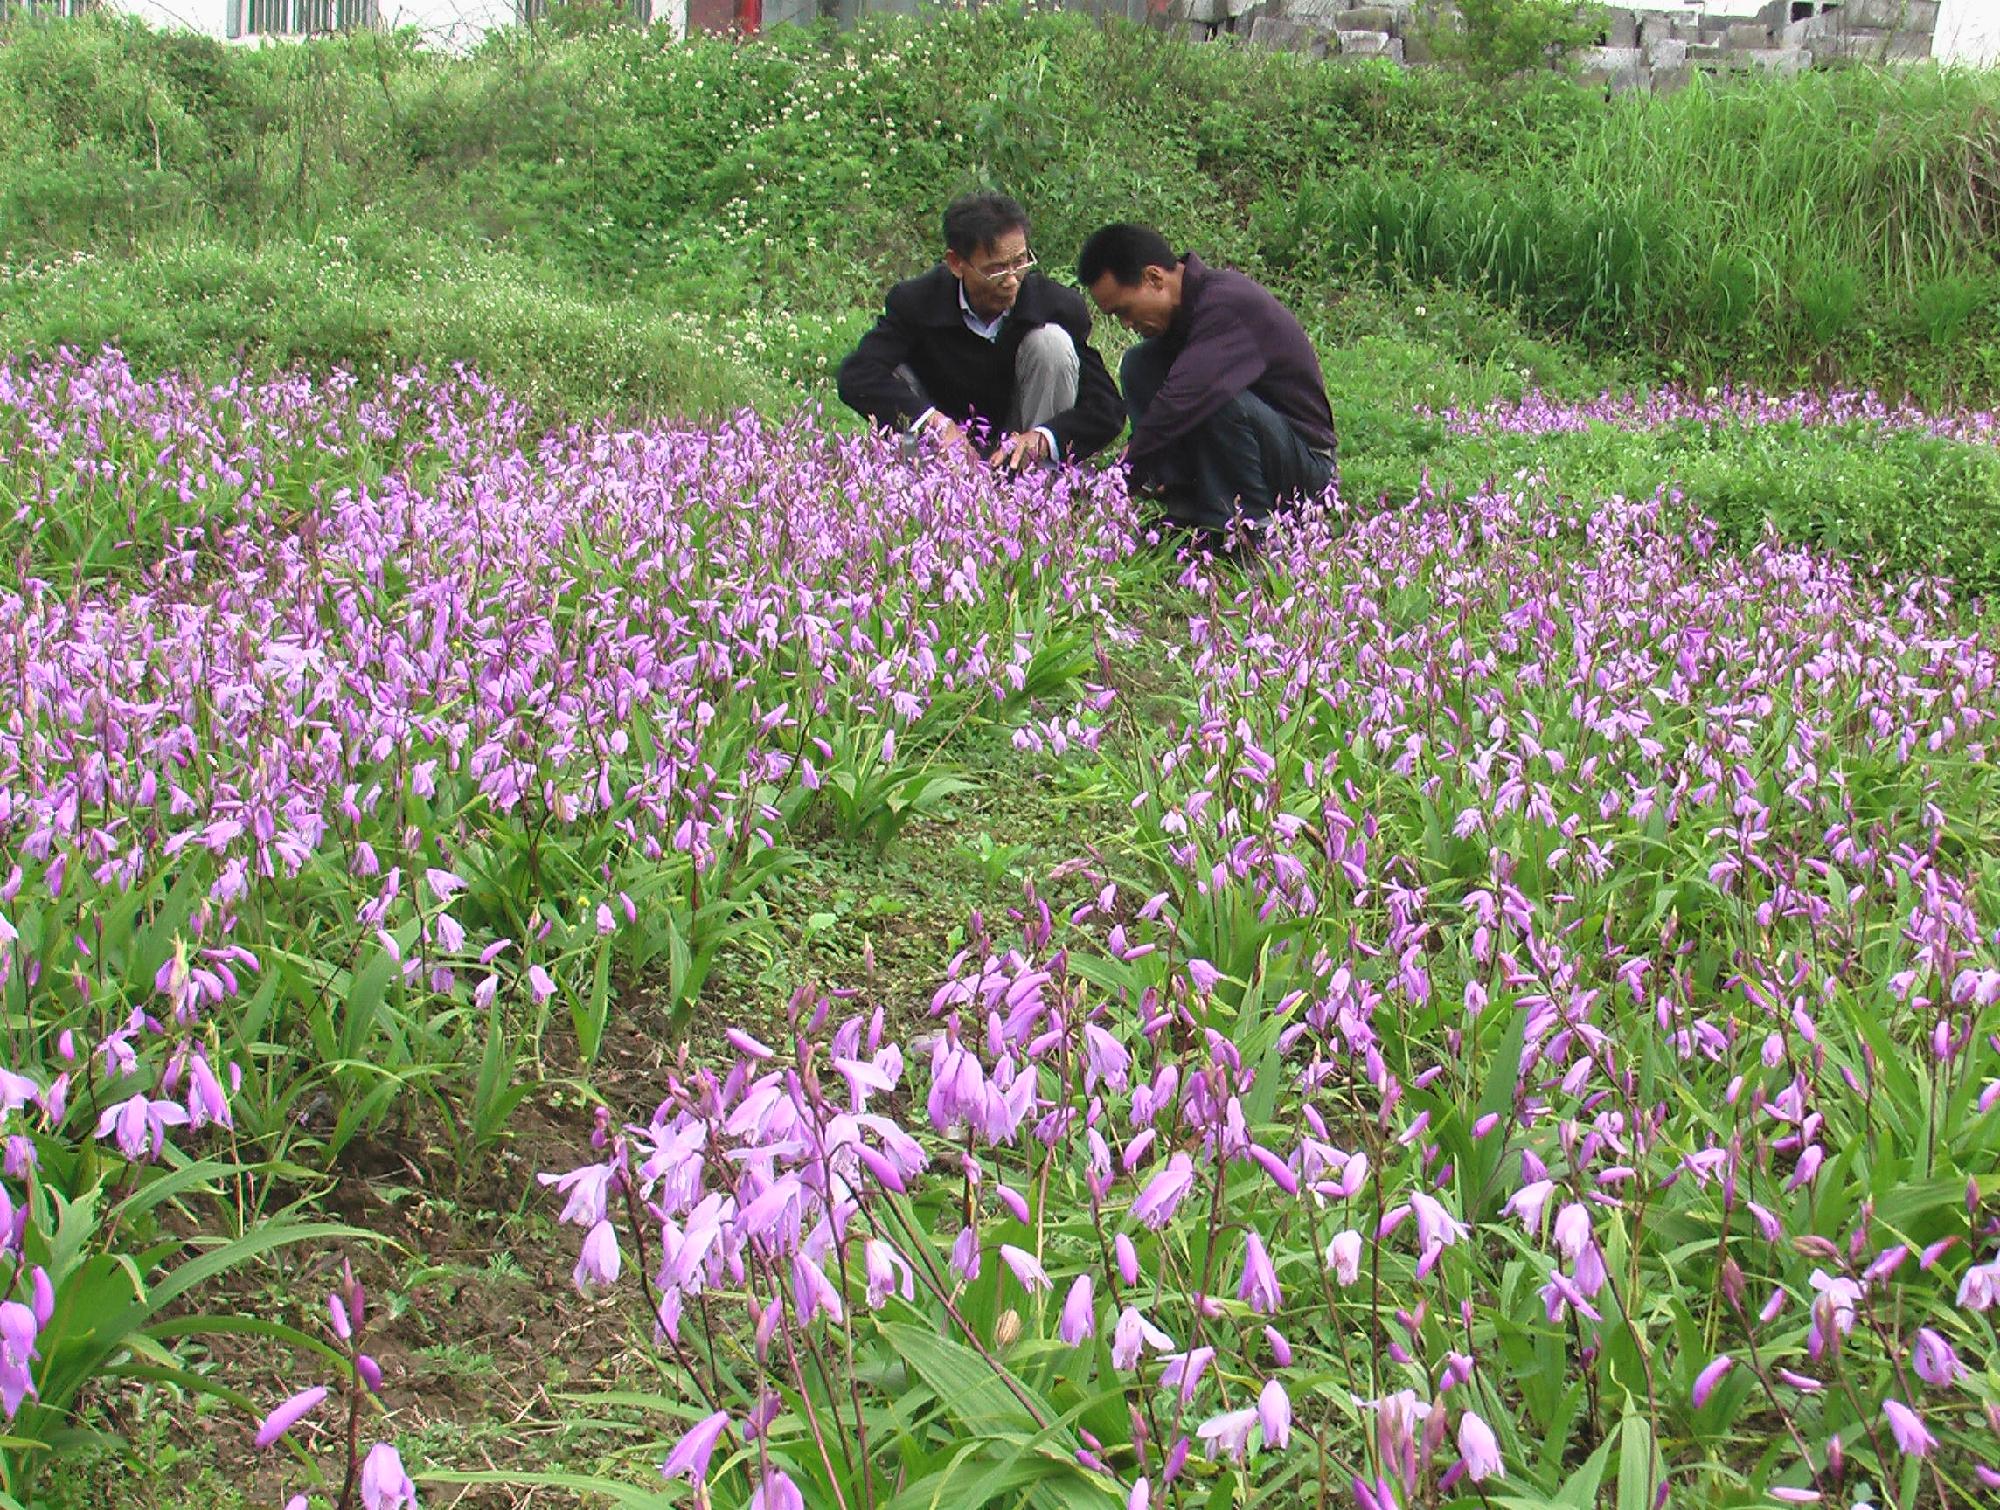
{"x":985,"y":351}
{"x":1229,"y":409}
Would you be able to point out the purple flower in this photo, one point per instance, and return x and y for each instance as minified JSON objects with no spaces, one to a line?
{"x":1104,"y":1058}
{"x":1529,"y":1202}
{"x":1079,"y":1312}
{"x":1132,"y":1335}
{"x":965,"y":1254}
{"x":1437,"y":1228}
{"x":1228,"y":1435}
{"x":776,"y":1491}
{"x":1908,"y":1427}
{"x":1259,"y":1286}
{"x":598,"y":1262}
{"x":18,"y":1330}
{"x":689,"y":1459}
{"x":1980,"y":1289}
{"x":206,"y":1100}
{"x":1709,"y":1377}
{"x":1572,"y":1234}
{"x":1281,"y":1350}
{"x":1935,"y":1360}
{"x":1185,"y":1370}
{"x":384,"y":1484}
{"x":1027,"y":1268}
{"x":1164,"y":1192}
{"x":140,"y":1124}
{"x":1127,"y":1258}
{"x":1832,"y":1310}
{"x":1343,"y":1256}
{"x":1204,"y":975}
{"x":887,"y":1272}
{"x":287,"y":1415}
{"x":589,"y":1190}
{"x":1274,"y":1414}
{"x":1479,"y":1449}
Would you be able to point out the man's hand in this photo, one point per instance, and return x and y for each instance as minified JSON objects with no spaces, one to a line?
{"x":947,"y":433}
{"x":1023,"y":451}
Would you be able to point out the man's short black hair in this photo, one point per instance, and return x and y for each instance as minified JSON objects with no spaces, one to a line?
{"x":975,"y":220}
{"x":1124,"y":251}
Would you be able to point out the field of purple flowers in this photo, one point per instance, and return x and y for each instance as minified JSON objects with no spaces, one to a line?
{"x":1527,"y":1032}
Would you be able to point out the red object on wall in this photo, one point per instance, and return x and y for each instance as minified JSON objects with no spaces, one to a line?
{"x":720,"y":17}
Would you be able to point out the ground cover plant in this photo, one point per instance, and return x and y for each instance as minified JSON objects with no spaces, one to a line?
{"x":1520,"y":1027}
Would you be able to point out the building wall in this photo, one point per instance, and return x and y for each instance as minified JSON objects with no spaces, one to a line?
{"x":1968,"y":31}
{"x":450,"y":25}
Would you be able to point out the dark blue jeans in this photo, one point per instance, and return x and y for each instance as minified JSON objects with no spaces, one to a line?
{"x":1246,"y":453}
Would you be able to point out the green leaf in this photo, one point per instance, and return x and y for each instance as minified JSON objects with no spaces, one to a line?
{"x":964,"y":1382}
{"x":635,"y":1496}
{"x":1637,"y":1472}
{"x":362,"y":1001}
{"x":1579,"y":1490}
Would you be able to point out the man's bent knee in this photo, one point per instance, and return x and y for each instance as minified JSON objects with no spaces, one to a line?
{"x":1047,"y":370}
{"x":1048,"y":348}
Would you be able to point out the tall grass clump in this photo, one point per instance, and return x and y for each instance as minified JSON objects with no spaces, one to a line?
{"x":1797,"y":226}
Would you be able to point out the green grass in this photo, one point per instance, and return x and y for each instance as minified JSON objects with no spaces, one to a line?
{"x":606,"y":220}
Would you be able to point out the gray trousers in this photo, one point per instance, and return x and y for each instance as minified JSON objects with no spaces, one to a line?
{"x":1047,"y":370}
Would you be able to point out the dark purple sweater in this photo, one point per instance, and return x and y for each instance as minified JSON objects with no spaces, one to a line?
{"x":1230,"y":334}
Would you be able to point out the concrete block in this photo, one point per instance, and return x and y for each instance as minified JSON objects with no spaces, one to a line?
{"x":1204,"y":12}
{"x":1661,"y":28}
{"x":1890,"y":15}
{"x":1280,"y":34}
{"x":1320,"y":12}
{"x":1909,"y":46}
{"x":1614,"y":67}
{"x":1870,"y":46}
{"x":1621,"y":28}
{"x":1745,"y":35}
{"x":1782,"y":61}
{"x":1668,"y":80}
{"x":1670,"y":52}
{"x":1369,"y":44}
{"x":1714,"y":29}
{"x":1799,"y":33}
{"x":1417,"y":49}
{"x":1383,"y":18}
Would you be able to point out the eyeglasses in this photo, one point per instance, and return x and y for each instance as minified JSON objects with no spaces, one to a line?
{"x":1008,"y":272}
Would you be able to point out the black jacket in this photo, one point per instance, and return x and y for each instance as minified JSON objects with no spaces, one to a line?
{"x":968,"y":377}
{"x":1230,"y":335}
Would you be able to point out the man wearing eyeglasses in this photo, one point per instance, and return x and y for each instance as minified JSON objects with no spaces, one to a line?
{"x":985,"y":345}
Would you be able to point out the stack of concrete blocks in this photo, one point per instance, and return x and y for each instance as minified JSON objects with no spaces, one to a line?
{"x":1659,"y":50}
{"x":1342,"y":28}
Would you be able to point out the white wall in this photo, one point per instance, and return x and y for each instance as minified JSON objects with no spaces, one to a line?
{"x":450,"y":25}
{"x":1968,"y":31}
{"x":209,"y":16}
